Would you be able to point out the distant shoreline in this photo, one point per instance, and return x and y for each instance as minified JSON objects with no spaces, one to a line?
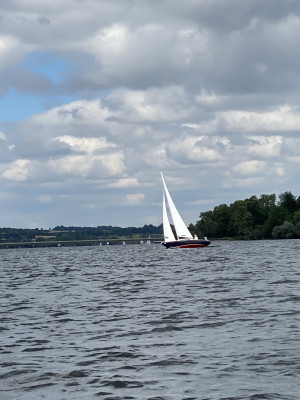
{"x":72,"y":235}
{"x":70,"y":243}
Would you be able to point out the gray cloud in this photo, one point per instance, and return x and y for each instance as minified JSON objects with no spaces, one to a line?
{"x":206,"y":91}
{"x":27,"y":81}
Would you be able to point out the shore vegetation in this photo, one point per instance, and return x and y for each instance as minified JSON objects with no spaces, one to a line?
{"x":264,"y":217}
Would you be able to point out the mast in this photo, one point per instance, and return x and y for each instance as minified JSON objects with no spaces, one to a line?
{"x":180,"y":227}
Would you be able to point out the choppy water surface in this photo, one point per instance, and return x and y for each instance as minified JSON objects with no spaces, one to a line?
{"x":144,"y":322}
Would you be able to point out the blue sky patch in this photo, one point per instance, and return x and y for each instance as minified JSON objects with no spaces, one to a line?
{"x":47,"y":64}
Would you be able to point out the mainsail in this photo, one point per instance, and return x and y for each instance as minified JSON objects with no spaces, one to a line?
{"x":168,"y":233}
{"x":182,"y":231}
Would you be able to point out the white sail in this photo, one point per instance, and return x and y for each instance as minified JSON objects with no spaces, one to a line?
{"x":182,"y":231}
{"x":168,"y":233}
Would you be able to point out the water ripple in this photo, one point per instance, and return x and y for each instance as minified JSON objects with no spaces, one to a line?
{"x":143,"y":322}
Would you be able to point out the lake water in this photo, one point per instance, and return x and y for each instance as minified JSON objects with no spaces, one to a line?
{"x":143,"y":322}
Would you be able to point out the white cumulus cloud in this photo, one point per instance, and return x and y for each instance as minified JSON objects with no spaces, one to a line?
{"x":18,"y":171}
{"x":251,"y":168}
{"x":134,"y":198}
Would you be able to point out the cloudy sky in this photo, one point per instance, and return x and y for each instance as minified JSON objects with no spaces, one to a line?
{"x":98,"y":96}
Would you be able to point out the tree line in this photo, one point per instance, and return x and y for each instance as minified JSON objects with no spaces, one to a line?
{"x":68,"y":233}
{"x":262,"y":217}
{"x":253,"y":218}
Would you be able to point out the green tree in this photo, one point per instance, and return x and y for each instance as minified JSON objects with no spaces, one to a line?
{"x":241,"y":220}
{"x":289,"y":202}
{"x":277,"y":215}
{"x":192,"y":229}
{"x":296,"y":217}
{"x":221,"y":217}
{"x":252,"y":218}
{"x":283,"y":231}
{"x":206,"y":226}
{"x":297,"y":230}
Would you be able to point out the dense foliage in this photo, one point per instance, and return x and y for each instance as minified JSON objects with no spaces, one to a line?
{"x":253,"y":218}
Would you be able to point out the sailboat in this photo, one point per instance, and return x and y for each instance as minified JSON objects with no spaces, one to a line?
{"x":184,"y":238}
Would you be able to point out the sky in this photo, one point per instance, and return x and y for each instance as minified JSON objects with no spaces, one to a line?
{"x":98,"y":96}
